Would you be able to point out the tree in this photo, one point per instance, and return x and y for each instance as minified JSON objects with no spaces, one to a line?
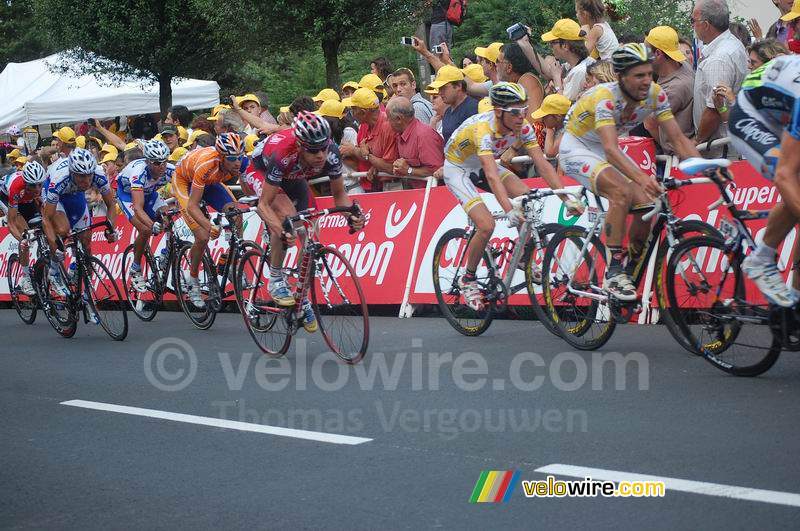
{"x":296,"y":23}
{"x":153,"y":40}
{"x":21,"y":41}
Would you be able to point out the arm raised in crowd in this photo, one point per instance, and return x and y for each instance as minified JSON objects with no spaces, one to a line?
{"x":429,"y":56}
{"x":253,"y":120}
{"x":110,"y":137}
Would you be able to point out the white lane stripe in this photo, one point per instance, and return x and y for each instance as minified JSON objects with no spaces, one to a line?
{"x":682,"y":485}
{"x":219,"y":423}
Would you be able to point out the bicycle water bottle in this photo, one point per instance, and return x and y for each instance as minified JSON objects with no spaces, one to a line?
{"x":162,"y":260}
{"x":72,"y":274}
{"x":221,"y":263}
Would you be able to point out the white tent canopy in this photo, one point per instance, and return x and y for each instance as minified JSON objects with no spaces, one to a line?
{"x":32,"y":94}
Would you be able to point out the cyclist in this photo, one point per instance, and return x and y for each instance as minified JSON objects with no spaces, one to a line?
{"x":470,"y":165}
{"x":199,"y":177}
{"x":23,"y":200}
{"x":288,"y":159}
{"x":590,"y":153}
{"x":138,"y":198}
{"x":765,"y":128}
{"x":65,"y":206}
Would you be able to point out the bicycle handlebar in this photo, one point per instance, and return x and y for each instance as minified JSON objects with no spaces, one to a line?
{"x":78,"y":232}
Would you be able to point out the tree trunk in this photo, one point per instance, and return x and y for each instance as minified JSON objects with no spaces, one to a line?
{"x":330,"y":47}
{"x":423,"y":68}
{"x":164,"y":93}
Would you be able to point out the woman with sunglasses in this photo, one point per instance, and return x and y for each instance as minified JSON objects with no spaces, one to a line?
{"x":288,"y":159}
{"x":138,"y":198}
{"x":199,"y":177}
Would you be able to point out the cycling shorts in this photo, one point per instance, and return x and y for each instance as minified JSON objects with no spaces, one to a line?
{"x":464,"y":182}
{"x":297,"y":190}
{"x":753,"y":137}
{"x":584,"y":162}
{"x":215,"y":195}
{"x":152,"y":204}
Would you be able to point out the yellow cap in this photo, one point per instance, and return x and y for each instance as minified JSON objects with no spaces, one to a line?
{"x":158,"y":137}
{"x":132,"y":145}
{"x":248,"y":97}
{"x":182,"y":134}
{"x":363,"y":98}
{"x":21,"y":160}
{"x":565,"y":29}
{"x":109,"y":148}
{"x":193,"y":137}
{"x":431,"y":90}
{"x":80,"y":141}
{"x":66,"y":135}
{"x":176,"y":155}
{"x":283,"y":109}
{"x":216,"y":110}
{"x":665,"y":39}
{"x":250,"y":142}
{"x":14,"y":153}
{"x":794,"y":13}
{"x":332,"y":108}
{"x":490,"y":53}
{"x":552,"y":104}
{"x":110,"y":156}
{"x":485,"y":105}
{"x":447,"y":74}
{"x":350,"y":84}
{"x":327,"y":94}
{"x":372,"y":82}
{"x":475,"y":73}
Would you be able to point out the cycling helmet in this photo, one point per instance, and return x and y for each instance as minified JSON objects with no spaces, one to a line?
{"x":34,"y":173}
{"x":505,"y":94}
{"x":311,"y":131}
{"x":630,"y":55}
{"x":156,"y":150}
{"x":229,"y":144}
{"x":82,"y":161}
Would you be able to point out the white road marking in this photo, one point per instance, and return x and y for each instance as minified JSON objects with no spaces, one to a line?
{"x":219,"y":423}
{"x":682,"y":485}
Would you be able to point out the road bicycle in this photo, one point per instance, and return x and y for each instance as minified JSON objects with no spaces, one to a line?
{"x":450,"y":264}
{"x":324,"y":274}
{"x":26,"y":306}
{"x":93,"y":290}
{"x":731,"y":324}
{"x":574,"y":268}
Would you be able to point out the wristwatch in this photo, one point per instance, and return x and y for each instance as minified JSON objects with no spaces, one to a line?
{"x":410,"y":169}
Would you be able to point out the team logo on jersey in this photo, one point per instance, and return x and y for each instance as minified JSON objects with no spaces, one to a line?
{"x":585,"y":168}
{"x":609,"y":106}
{"x":526,"y":130}
{"x":501,"y":144}
{"x":662,"y":98}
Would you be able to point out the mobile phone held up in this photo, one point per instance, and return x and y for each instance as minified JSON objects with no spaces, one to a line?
{"x":407,"y":41}
{"x":438,"y":49}
{"x":516,"y":32}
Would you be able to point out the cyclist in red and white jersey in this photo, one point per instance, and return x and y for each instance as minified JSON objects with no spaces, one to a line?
{"x":287,"y":160}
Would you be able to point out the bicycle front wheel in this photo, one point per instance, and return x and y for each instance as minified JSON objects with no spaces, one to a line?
{"x":59,"y":311}
{"x":201,"y":317}
{"x":340,"y":305}
{"x":449,"y":265}
{"x":106,"y":299}
{"x":583,"y":318}
{"x":533,"y":259}
{"x":709,"y":304}
{"x":267,"y":322}
{"x":143,"y":303}
{"x":25,"y":305}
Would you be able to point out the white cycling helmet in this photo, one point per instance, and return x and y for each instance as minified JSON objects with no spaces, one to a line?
{"x":33,"y":173}
{"x":82,"y":161}
{"x":156,"y":150}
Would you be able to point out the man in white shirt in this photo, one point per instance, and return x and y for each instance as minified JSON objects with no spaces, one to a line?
{"x":567,"y":41}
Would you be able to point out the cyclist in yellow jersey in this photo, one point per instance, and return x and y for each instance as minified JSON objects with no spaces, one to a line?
{"x":590,"y":154}
{"x":470,"y":162}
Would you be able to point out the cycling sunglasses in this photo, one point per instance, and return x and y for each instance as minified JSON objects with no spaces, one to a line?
{"x":233,"y":157}
{"x":516,"y":111}
{"x":314,"y":151}
{"x":157,"y":162}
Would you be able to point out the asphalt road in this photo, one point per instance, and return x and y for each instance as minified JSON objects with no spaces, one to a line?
{"x":430,"y":434}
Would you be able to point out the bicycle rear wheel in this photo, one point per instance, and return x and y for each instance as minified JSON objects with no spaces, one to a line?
{"x":584,"y":322}
{"x":709,"y":303}
{"x":59,"y":311}
{"x":204,"y":317}
{"x":533,"y":259}
{"x":340,"y":305}
{"x":106,"y":299}
{"x":267,"y":322}
{"x":24,"y":304}
{"x":144,"y":304}
{"x":449,"y":265}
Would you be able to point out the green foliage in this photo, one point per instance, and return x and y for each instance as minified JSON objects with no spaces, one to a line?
{"x":643,"y":15}
{"x":21,"y":41}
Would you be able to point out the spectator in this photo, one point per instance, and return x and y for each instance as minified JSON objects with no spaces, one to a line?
{"x":169,"y":135}
{"x":420,"y":148}
{"x":441,"y":29}
{"x":453,"y":91}
{"x":375,"y":84}
{"x":325,"y":95}
{"x":513,"y":66}
{"x":552,"y":112}
{"x":676,"y":77}
{"x":782,"y":29}
{"x":109,"y":163}
{"x":468,"y":59}
{"x":439,"y":108}
{"x":65,"y":141}
{"x":343,"y":133}
{"x":487,"y":58}
{"x":741,"y":32}
{"x":600,"y":38}
{"x":405,"y":84}
{"x":191,"y":142}
{"x":377,"y":145}
{"x":265,"y":114}
{"x":302,"y":103}
{"x":599,"y":72}
{"x":723,"y":62}
{"x":248,"y":109}
{"x":202,"y":123}
{"x":381,"y":67}
{"x":228,"y":121}
{"x":687,"y":50}
{"x":765,"y":51}
{"x":178,"y":115}
{"x":348,"y":88}
{"x":285,"y":117}
{"x":204,"y":141}
{"x":567,"y":41}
